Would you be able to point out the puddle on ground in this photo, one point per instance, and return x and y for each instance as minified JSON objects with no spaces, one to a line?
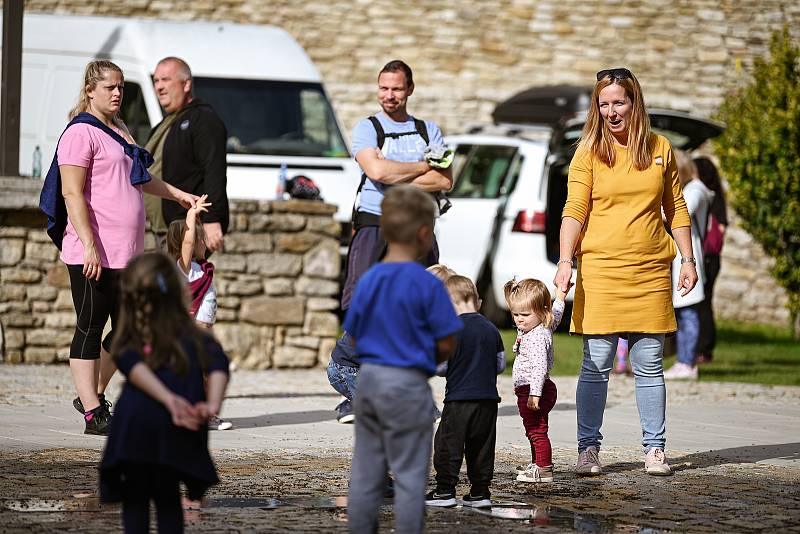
{"x":241,"y":502}
{"x":501,"y":509}
{"x":52,"y":505}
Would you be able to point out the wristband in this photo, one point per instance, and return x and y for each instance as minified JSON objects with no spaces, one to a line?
{"x":688,"y":259}
{"x":564,"y":261}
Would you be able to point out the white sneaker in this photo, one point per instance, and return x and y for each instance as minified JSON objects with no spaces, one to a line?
{"x":215,"y":423}
{"x":681,"y":371}
{"x":655,"y":463}
{"x":536,"y":474}
{"x":588,"y":462}
{"x":522,"y":468}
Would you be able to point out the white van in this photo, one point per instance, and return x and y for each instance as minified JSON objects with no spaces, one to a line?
{"x":258,"y":79}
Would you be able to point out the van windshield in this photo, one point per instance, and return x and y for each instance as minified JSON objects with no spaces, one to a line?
{"x":273,"y":117}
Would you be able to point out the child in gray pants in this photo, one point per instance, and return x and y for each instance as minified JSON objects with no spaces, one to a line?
{"x":403,"y":324}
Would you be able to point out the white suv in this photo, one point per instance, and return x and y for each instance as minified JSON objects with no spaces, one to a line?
{"x":510,"y":186}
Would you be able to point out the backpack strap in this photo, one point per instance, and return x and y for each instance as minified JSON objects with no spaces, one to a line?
{"x":422,"y":130}
{"x":378,"y":130}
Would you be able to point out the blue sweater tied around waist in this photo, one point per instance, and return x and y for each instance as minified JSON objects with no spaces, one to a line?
{"x":51,"y":199}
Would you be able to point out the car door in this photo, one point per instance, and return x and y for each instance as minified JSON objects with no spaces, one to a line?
{"x":466,"y":232}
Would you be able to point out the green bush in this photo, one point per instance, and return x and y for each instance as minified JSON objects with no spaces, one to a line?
{"x":760,"y":157}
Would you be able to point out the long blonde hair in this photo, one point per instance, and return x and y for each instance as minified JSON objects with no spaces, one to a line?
{"x":597,"y":138}
{"x":93,"y":74}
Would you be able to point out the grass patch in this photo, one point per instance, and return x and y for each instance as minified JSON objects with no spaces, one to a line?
{"x":751,"y":353}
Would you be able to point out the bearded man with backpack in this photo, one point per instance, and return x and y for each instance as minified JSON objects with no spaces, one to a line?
{"x":392,"y":147}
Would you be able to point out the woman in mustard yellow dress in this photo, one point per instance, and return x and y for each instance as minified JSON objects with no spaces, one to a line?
{"x":621,"y":179}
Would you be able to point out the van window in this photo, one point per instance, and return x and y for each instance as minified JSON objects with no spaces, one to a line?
{"x":274,"y":118}
{"x":484,"y":172}
{"x":134,"y":113}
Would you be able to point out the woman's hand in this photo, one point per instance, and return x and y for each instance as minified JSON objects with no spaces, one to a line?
{"x":91,"y":262}
{"x":187,"y":200}
{"x":687,"y":278}
{"x":563,"y":279}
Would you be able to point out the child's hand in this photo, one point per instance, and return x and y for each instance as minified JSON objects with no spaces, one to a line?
{"x":206,"y":410}
{"x":533,"y":403}
{"x":184,"y":414}
{"x":193,"y":213}
{"x":562,"y":295}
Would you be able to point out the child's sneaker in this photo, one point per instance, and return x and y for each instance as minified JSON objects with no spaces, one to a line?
{"x":536,"y":474}
{"x":442,"y":500}
{"x":522,"y":468}
{"x":97,"y":421}
{"x":588,"y":462}
{"x":215,"y":423}
{"x":482,"y":500}
{"x":655,"y":463}
{"x":681,"y":371}
{"x":344,"y":412}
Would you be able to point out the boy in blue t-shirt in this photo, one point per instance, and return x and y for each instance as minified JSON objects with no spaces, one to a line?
{"x":469,"y":418}
{"x":403,"y":323}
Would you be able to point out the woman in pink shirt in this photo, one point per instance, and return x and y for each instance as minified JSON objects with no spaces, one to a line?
{"x":105,"y":230}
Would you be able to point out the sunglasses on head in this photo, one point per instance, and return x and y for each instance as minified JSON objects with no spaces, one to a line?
{"x":619,"y":74}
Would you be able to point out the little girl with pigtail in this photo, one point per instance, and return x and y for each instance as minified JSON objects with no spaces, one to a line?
{"x":536,"y":319}
{"x":159,"y":437}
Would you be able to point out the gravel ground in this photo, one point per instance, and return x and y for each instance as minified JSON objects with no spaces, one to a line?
{"x":276,"y":490}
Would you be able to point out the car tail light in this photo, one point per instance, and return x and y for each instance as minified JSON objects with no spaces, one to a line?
{"x":529,"y":221}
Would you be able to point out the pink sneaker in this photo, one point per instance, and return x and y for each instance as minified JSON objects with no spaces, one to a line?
{"x":681,"y":371}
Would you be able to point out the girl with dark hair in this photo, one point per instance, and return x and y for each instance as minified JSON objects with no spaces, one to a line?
{"x":159,"y":437}
{"x":620,"y":179}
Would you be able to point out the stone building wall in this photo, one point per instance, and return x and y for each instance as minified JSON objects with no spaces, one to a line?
{"x":277,"y":284}
{"x":467,"y":56}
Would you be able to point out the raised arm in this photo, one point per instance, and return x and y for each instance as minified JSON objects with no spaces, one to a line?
{"x":73,"y":179}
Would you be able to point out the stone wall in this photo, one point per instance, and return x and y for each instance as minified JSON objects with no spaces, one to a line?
{"x":470,"y":55}
{"x":277,"y":283}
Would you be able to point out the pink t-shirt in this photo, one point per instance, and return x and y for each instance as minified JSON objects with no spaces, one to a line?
{"x":116,"y":208}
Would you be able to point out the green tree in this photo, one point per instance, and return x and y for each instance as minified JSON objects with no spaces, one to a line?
{"x":760,"y":156}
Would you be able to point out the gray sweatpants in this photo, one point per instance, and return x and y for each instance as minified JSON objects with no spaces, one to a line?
{"x":393,"y":432}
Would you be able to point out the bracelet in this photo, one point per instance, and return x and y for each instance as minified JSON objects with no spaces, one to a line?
{"x":564,"y":261}
{"x":688,"y":259}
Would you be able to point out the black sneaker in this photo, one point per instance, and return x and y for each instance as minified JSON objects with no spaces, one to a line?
{"x":477,"y":501}
{"x":98,"y":422}
{"x":344,"y":412}
{"x":78,"y":405}
{"x":441,"y":500}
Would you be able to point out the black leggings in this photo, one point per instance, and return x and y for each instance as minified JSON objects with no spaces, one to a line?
{"x":144,"y":482}
{"x":94,"y":301}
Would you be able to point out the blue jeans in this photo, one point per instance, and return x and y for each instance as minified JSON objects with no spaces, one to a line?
{"x":343,"y":379}
{"x":688,"y":333}
{"x":645,"y":352}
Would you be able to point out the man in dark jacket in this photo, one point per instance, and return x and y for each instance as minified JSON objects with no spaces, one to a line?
{"x":189,"y":147}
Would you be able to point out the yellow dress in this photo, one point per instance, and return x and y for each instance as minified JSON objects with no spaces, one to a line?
{"x":624,"y":253}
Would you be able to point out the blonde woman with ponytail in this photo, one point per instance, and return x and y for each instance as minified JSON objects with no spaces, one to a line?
{"x":620,"y":180}
{"x":100,"y":174}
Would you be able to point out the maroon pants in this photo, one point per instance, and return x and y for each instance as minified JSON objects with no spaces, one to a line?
{"x":535,"y":422}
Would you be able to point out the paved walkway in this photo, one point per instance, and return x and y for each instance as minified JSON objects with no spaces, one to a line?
{"x":292,"y":411}
{"x":735,"y":447}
